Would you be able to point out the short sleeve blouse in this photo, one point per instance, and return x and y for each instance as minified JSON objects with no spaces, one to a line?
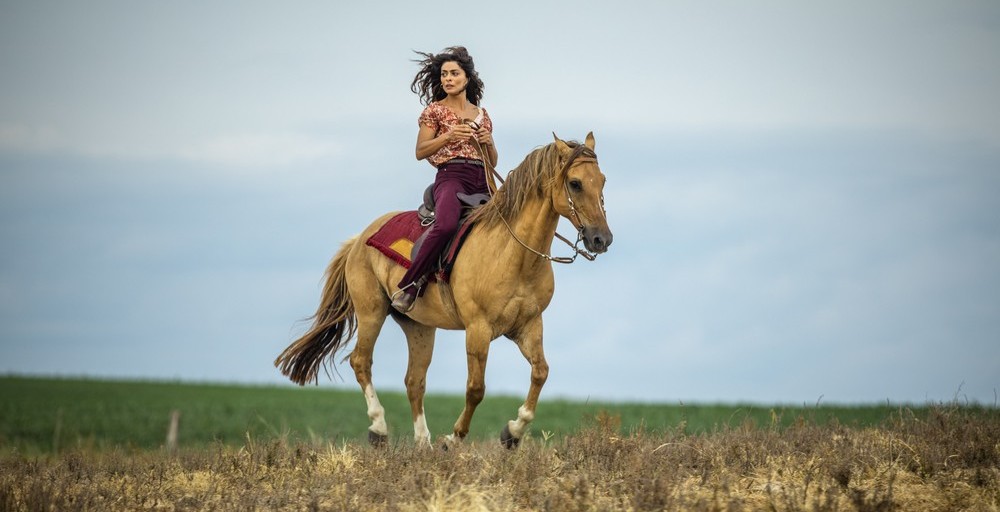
{"x":442,"y":119}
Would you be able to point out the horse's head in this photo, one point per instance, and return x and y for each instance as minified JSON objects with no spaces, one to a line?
{"x":578,"y":193}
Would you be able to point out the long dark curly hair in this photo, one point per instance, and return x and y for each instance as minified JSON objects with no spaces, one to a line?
{"x":427,"y":83}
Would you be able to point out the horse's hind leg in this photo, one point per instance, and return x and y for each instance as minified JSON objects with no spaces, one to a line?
{"x":371,"y":307}
{"x":361,"y":362}
{"x":420,"y":339}
{"x":529,"y":340}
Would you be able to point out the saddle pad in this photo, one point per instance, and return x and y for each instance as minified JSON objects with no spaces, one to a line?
{"x":395,"y":238}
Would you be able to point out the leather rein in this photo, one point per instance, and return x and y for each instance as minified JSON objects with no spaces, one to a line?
{"x":581,"y":154}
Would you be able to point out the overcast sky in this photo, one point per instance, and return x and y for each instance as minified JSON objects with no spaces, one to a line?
{"x":804,"y":196}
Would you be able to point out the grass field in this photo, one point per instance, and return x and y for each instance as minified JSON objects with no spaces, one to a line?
{"x":70,"y":444}
{"x":40,"y":415}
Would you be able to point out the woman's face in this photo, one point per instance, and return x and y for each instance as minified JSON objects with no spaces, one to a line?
{"x":453,"y":78}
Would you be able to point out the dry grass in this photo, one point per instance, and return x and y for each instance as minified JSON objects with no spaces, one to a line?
{"x":946,"y":461}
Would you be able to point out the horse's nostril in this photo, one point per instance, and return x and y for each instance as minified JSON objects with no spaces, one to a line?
{"x":598,"y":242}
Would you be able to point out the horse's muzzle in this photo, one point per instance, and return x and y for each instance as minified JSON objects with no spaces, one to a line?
{"x":597,"y":239}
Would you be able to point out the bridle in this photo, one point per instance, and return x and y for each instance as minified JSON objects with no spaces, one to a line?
{"x":581,"y":154}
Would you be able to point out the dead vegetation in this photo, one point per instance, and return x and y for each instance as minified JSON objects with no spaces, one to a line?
{"x":947,"y":460}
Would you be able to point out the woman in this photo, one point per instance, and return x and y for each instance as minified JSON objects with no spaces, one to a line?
{"x":453,"y":129}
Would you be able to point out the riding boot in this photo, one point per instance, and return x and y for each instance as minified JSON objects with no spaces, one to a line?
{"x":403,"y":300}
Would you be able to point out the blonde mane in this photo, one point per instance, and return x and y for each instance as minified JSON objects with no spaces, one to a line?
{"x":533,"y":178}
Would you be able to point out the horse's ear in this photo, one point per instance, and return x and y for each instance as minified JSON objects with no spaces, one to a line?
{"x":560,"y":145}
{"x":589,"y":141}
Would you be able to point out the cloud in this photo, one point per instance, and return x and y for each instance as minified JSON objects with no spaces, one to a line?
{"x":261,"y":150}
{"x":254,"y":150}
{"x":122,"y":84}
{"x":27,"y":138}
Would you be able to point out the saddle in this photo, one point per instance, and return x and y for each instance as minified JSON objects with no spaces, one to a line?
{"x":469,"y":201}
{"x":401,"y":237}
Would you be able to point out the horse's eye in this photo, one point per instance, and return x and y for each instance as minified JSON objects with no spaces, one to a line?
{"x":575,"y":185}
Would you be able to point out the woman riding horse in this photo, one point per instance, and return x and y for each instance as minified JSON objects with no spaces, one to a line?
{"x":500,"y":282}
{"x":450,"y":124}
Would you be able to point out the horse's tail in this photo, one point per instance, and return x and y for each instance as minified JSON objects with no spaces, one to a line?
{"x":333,"y":325}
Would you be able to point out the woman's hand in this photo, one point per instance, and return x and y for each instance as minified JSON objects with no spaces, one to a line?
{"x":460,"y":132}
{"x":484,"y":136}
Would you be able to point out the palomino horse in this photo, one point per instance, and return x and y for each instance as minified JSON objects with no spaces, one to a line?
{"x":500,"y":284}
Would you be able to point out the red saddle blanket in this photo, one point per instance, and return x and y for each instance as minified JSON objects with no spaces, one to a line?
{"x":396,"y":237}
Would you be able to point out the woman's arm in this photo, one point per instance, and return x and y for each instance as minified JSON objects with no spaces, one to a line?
{"x":428,"y":144}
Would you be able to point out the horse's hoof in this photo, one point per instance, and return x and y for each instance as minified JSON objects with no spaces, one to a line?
{"x":507,"y":439}
{"x":377,"y":440}
{"x":450,"y":440}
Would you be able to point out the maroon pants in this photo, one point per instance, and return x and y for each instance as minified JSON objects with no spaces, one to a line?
{"x":451,"y":179}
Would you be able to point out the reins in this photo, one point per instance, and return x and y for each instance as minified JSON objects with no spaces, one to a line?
{"x":580,"y":154}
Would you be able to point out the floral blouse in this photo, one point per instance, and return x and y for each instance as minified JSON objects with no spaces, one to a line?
{"x":442,"y":119}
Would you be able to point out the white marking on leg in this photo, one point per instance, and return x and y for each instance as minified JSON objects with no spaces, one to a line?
{"x":376,"y":412}
{"x":519,"y":426}
{"x":452,"y":439}
{"x":420,"y":432}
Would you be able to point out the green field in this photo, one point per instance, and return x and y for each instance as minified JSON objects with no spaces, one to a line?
{"x":40,"y":415}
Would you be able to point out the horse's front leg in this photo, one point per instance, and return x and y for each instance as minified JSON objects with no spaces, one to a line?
{"x":477,"y":346}
{"x":529,"y":340}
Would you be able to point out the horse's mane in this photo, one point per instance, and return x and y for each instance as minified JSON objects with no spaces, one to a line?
{"x":534,"y":177}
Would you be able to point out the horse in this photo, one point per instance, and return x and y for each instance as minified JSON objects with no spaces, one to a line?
{"x":500,"y":283}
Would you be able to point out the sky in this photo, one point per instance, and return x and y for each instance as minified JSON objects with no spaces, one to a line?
{"x":803,"y":194}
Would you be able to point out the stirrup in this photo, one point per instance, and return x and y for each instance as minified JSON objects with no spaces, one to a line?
{"x":402,"y":301}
